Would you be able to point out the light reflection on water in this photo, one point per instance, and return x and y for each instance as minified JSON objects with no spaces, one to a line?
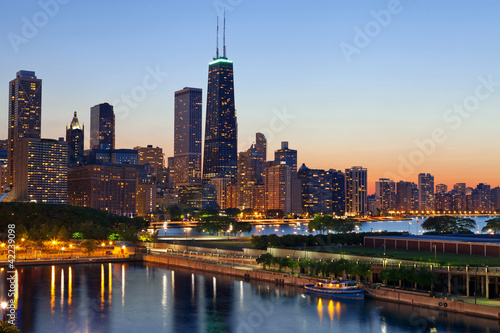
{"x":413,"y":226}
{"x":157,"y":299}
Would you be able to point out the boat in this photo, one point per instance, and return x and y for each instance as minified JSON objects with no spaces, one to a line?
{"x":337,"y":288}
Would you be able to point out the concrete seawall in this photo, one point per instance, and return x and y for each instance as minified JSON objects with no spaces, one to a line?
{"x":65,"y":261}
{"x":414,"y":299}
{"x":238,"y":271}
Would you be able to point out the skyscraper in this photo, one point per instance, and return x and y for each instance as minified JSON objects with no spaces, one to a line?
{"x":338,"y":191}
{"x":154,"y":157}
{"x":187,"y":136}
{"x":356,"y":191}
{"x":221,"y":133}
{"x":250,"y":173}
{"x":287,"y":155}
{"x":282,"y":188}
{"x":426,"y":192}
{"x":385,"y":194}
{"x":75,"y":139}
{"x":406,"y":196}
{"x":102,"y":127}
{"x":316,"y":190}
{"x":41,"y":171}
{"x":25,"y":113}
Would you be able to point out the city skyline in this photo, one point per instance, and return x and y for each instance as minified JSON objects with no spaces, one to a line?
{"x":384,"y":85}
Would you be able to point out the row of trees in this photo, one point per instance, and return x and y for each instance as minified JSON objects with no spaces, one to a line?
{"x":216,"y":225}
{"x":460,"y":225}
{"x":43,"y":222}
{"x":327,"y":223}
{"x":319,"y":268}
{"x":409,"y":276}
{"x":313,"y":241}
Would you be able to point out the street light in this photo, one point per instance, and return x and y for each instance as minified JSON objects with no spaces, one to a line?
{"x":435,"y":253}
{"x":4,"y":306}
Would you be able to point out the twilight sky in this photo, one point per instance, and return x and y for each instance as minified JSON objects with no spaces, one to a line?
{"x":398,"y":87}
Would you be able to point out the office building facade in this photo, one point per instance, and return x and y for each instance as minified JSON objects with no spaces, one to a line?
{"x":102,"y":127}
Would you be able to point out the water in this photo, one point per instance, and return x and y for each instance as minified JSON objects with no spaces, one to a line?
{"x":149,"y":298}
{"x":414,"y":228}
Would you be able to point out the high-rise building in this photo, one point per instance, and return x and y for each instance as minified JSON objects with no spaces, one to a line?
{"x":356,"y":191}
{"x":250,"y":173}
{"x":481,"y":198}
{"x":41,"y":171}
{"x":287,"y":155}
{"x":495,"y":198}
{"x":282,"y":188}
{"x":460,"y":187}
{"x":25,"y":114}
{"x":426,"y":192}
{"x":102,"y":127}
{"x":441,"y":189}
{"x":316,"y":190}
{"x":261,"y":145}
{"x":406,"y":196}
{"x":385,"y":195}
{"x":154,"y":157}
{"x":187,"y":136}
{"x":146,"y":191}
{"x":75,"y":140}
{"x":110,"y":188}
{"x":114,"y":156}
{"x":338,"y":192}
{"x":223,"y":200}
{"x":221,"y":132}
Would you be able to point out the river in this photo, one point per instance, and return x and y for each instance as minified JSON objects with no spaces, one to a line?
{"x":146,"y":298}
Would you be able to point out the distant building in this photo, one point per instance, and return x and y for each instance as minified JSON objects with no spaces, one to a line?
{"x":426,"y":192}
{"x":110,"y":188}
{"x":75,"y":140}
{"x":338,"y":192}
{"x":287,"y":155}
{"x":460,"y":187}
{"x":187,"y":136}
{"x":146,"y":191}
{"x":154,"y":157}
{"x":495,"y":198}
{"x":250,"y":173}
{"x":356,"y":191}
{"x":441,"y":189}
{"x":316,"y":190}
{"x":113,"y":156}
{"x":406,"y":196}
{"x":25,"y":112}
{"x":385,"y":194}
{"x":223,"y":200}
{"x":282,"y":188}
{"x":481,"y":198}
{"x":102,"y":127}
{"x":221,"y":131}
{"x":41,"y":171}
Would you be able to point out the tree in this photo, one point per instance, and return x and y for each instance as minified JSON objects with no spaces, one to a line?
{"x":233,"y":212}
{"x":5,"y":327}
{"x":449,"y":224}
{"x":493,"y":225}
{"x":88,"y":246}
{"x":63,"y":234}
{"x":324,"y":223}
{"x":266,"y":259}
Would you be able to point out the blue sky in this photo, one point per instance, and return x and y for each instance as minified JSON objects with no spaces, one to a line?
{"x":292,"y":78}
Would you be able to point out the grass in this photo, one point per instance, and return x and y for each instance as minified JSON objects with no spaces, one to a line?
{"x":445,"y":258}
{"x":229,"y":244}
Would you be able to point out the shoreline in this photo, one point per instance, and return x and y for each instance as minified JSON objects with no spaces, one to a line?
{"x":247,"y":272}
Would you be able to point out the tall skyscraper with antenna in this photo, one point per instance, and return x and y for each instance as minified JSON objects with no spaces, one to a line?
{"x":221,"y":132}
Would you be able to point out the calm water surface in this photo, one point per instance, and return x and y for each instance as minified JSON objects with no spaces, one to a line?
{"x":148,"y":298}
{"x":412,"y":226}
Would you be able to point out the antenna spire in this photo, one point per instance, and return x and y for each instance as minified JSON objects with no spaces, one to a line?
{"x":224,"y":37}
{"x":217,"y":40}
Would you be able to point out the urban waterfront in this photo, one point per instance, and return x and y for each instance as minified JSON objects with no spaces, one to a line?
{"x":149,"y":298}
{"x":413,"y":226}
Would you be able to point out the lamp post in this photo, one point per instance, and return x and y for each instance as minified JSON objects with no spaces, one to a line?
{"x":4,"y":306}
{"x":435,"y":253}
{"x":475,"y":287}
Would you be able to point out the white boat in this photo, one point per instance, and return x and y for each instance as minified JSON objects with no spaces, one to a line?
{"x":337,"y":288}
